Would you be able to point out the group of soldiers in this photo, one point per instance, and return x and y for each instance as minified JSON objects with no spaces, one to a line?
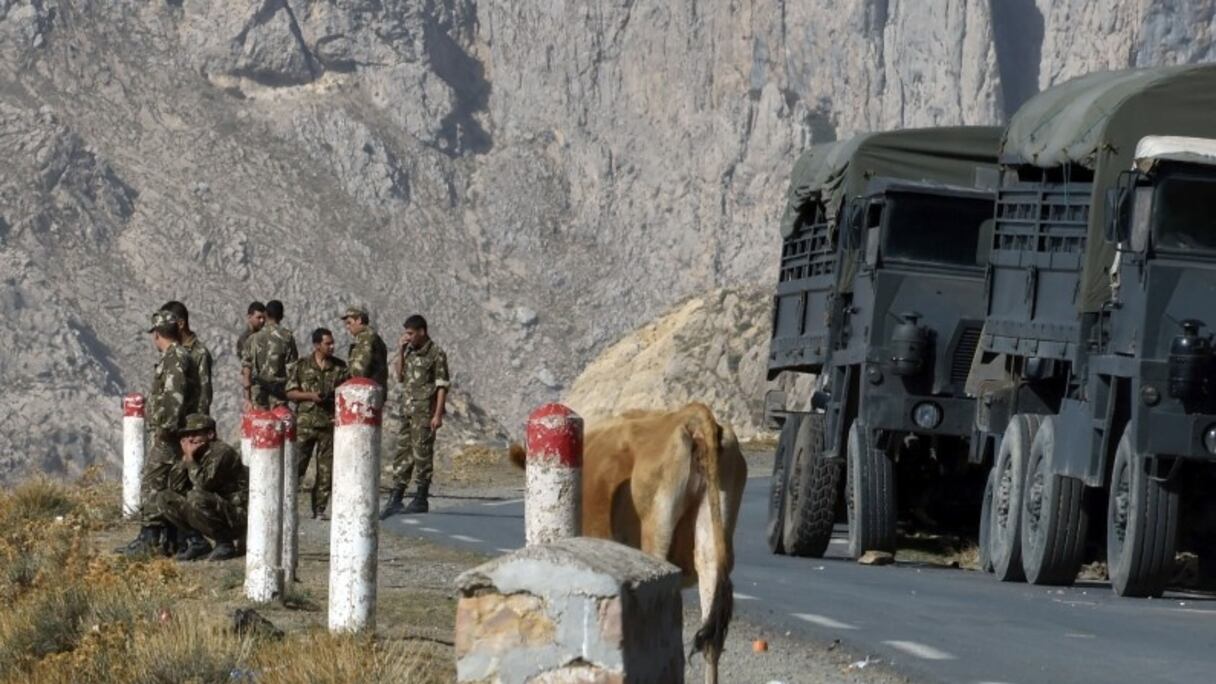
{"x":195,"y":488}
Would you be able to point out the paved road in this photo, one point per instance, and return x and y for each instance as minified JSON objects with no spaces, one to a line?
{"x":930,"y":623}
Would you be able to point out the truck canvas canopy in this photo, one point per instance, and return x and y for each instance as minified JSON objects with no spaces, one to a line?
{"x":1095,"y":121}
{"x":834,"y":171}
{"x":961,"y":156}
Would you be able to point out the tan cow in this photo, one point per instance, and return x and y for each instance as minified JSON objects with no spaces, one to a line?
{"x":646,"y":476}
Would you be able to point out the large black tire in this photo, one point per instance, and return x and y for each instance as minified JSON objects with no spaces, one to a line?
{"x":1004,"y":538}
{"x":773,"y":533}
{"x":986,"y":523}
{"x":870,"y":492}
{"x":1055,"y":518}
{"x":810,"y":498}
{"x":1141,"y":526}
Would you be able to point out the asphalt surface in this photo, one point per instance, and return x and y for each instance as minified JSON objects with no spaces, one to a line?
{"x":930,"y":623}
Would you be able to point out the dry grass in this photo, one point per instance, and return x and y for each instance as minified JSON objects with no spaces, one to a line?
{"x":76,"y":613}
{"x":938,"y":549}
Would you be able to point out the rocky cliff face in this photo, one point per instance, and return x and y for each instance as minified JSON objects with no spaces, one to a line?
{"x":537,"y":178}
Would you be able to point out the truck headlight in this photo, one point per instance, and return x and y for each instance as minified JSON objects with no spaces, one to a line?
{"x":1209,"y":439}
{"x":927,"y":415}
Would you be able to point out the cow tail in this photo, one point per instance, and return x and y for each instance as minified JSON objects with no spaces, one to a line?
{"x":517,"y":455}
{"x":711,"y":637}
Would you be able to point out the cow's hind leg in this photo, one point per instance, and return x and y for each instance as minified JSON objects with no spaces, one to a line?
{"x":713,"y":587}
{"x":661,"y":504}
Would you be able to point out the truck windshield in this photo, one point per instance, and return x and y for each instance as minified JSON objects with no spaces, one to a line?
{"x":936,"y":228}
{"x":1182,"y":212}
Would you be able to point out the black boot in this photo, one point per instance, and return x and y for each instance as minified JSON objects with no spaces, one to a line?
{"x":223,"y":551}
{"x":418,"y":504}
{"x":393,"y":507}
{"x":172,"y":540}
{"x":146,"y":543}
{"x":194,"y":547}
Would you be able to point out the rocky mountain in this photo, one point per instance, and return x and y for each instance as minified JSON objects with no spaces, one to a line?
{"x":710,"y":349}
{"x":537,"y":178}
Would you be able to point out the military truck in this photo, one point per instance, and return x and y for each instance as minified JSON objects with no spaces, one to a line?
{"x":1094,"y":377}
{"x":880,"y":295}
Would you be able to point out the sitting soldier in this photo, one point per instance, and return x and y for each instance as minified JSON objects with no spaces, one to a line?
{"x":208,"y":493}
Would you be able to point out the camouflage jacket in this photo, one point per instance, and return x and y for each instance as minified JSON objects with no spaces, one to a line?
{"x":174,"y":393}
{"x":202,"y":361}
{"x":422,"y":373}
{"x":242,"y":341}
{"x":307,"y":376}
{"x":269,"y":354}
{"x":217,"y":469}
{"x":369,"y":357}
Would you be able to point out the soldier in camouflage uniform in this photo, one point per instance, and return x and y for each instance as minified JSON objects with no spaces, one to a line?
{"x":198,"y":352}
{"x":311,"y":386}
{"x":209,"y":493}
{"x":368,"y":356}
{"x":255,"y":318}
{"x":269,"y":354}
{"x":422,"y":369}
{"x":173,"y":396}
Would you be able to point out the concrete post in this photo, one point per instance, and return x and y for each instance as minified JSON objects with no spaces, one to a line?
{"x":577,"y":610}
{"x":354,"y":534}
{"x":133,"y":446}
{"x":265,"y":520}
{"x":553,"y":494}
{"x":246,"y":437}
{"x":291,"y":475}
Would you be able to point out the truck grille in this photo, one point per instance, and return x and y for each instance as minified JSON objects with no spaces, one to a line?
{"x":964,"y":352}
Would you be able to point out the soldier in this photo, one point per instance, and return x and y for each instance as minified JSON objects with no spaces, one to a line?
{"x":198,"y":351}
{"x":422,"y":369}
{"x":311,"y":385}
{"x":209,"y":493}
{"x":173,"y":396}
{"x":269,"y":354}
{"x":255,"y":318}
{"x":368,"y":353}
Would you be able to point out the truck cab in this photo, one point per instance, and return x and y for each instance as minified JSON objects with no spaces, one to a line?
{"x":880,"y":295}
{"x":1099,"y":421}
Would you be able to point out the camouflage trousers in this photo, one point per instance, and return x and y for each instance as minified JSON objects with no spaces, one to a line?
{"x":207,"y":513}
{"x":415,"y":449}
{"x":317,"y":443}
{"x":159,"y":461}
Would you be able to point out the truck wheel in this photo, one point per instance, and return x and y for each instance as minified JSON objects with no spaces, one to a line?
{"x":810,"y":498}
{"x":870,"y":494}
{"x":776,"y":498}
{"x":1004,"y":543}
{"x":1055,"y":518}
{"x":1141,"y":526}
{"x":986,"y":523}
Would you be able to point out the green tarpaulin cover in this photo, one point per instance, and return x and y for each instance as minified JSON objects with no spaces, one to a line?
{"x":834,"y":171}
{"x":1095,"y":121}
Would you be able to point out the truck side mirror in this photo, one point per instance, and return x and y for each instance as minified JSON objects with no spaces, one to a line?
{"x":1116,"y":198}
{"x":983,"y":245}
{"x":872,"y":235}
{"x":1141,"y":215}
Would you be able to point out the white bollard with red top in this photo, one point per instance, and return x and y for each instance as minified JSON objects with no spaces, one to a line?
{"x":291,"y":517}
{"x":133,"y":446}
{"x":554,"y":489}
{"x":354,"y":534}
{"x":265,"y":520}
{"x":246,"y":437}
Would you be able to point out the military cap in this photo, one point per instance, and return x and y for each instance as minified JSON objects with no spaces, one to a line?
{"x":354,"y":312}
{"x":197,"y":422}
{"x":164,"y":321}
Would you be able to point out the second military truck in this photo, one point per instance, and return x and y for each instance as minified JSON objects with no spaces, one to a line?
{"x":880,"y":293}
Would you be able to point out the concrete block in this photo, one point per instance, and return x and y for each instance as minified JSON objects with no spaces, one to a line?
{"x":576,"y":610}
